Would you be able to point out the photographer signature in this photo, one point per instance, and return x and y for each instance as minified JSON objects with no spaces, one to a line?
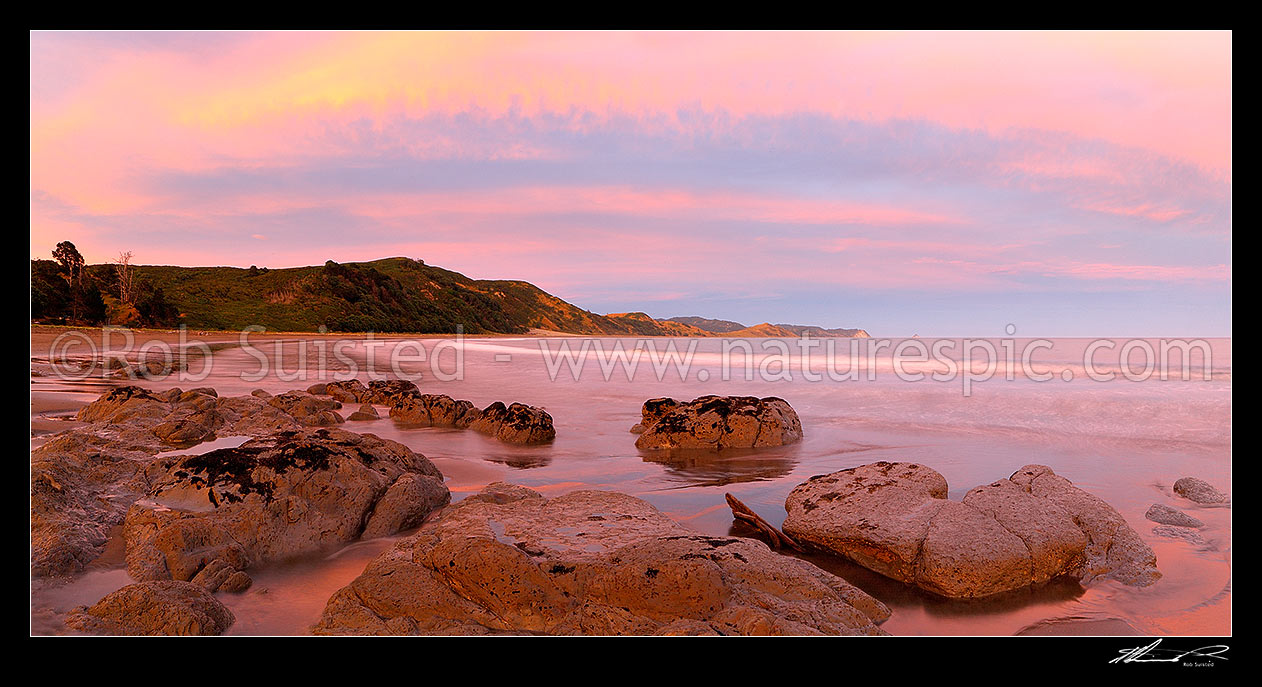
{"x":1151,"y":654}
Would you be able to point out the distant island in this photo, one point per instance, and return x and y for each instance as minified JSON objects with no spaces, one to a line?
{"x":392,"y":295}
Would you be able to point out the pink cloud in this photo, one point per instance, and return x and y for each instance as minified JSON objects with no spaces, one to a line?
{"x":274,"y":96}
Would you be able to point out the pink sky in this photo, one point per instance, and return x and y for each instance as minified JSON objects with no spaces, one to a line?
{"x":942,"y":161}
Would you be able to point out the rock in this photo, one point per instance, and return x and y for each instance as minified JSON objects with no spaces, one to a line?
{"x":384,"y":391}
{"x":349,"y":391}
{"x":1199,"y":490}
{"x":1171,"y":516}
{"x":84,"y":480}
{"x":117,"y":405}
{"x":365,"y":413}
{"x":654,"y":409}
{"x":276,"y":497}
{"x":718,"y":422}
{"x":516,"y":424}
{"x":214,"y":574}
{"x":433,"y":410}
{"x":308,"y":409}
{"x":236,"y":583}
{"x":509,"y":561}
{"x":895,"y":519}
{"x":263,"y":394}
{"x":154,"y":608}
{"x":80,"y":487}
{"x":405,"y":505}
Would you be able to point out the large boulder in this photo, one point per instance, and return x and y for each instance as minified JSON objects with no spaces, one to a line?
{"x":895,"y":519}
{"x":507,"y":560}
{"x":276,"y":497}
{"x":154,"y":608}
{"x":717,"y":422}
{"x":515,"y":424}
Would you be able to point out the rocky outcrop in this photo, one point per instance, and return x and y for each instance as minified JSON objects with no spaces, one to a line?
{"x":1171,"y":516}
{"x":515,"y":424}
{"x":1199,"y":491}
{"x":433,"y":410}
{"x":717,"y":422}
{"x":273,"y":498}
{"x":154,"y":608}
{"x":308,"y":409}
{"x":81,"y":485}
{"x":349,"y":391}
{"x":83,"y":480}
{"x":384,"y":391}
{"x":378,"y":392}
{"x":895,"y":519}
{"x":507,"y":560}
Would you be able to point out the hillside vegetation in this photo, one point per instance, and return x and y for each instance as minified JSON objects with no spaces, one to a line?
{"x":395,"y":295}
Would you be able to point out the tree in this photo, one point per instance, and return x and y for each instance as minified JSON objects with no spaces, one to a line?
{"x":71,"y":263}
{"x":70,"y":260}
{"x":126,"y":278}
{"x":120,"y":312}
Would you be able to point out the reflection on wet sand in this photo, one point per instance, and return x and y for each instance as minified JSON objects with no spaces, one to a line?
{"x":703,"y":468}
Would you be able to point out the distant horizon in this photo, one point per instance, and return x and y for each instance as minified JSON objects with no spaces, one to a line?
{"x":1061,"y":181}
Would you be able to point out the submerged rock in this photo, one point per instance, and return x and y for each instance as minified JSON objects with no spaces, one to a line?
{"x":154,"y":608}
{"x":1199,"y":490}
{"x":1187,"y":534}
{"x":509,"y":561}
{"x":273,"y":498}
{"x":1171,"y":516}
{"x":717,"y":422}
{"x":895,"y":519}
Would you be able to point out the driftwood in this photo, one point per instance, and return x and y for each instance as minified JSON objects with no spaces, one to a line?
{"x":745,"y":514}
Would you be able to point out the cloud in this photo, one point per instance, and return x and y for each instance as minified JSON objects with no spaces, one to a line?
{"x":714,"y":164}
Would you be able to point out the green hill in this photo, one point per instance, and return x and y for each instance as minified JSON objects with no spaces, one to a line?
{"x":395,"y":295}
{"x":390,"y":295}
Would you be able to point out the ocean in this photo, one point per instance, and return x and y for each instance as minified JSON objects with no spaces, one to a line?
{"x":1104,"y":413}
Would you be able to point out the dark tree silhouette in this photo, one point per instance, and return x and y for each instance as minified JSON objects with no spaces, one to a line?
{"x":71,"y":262}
